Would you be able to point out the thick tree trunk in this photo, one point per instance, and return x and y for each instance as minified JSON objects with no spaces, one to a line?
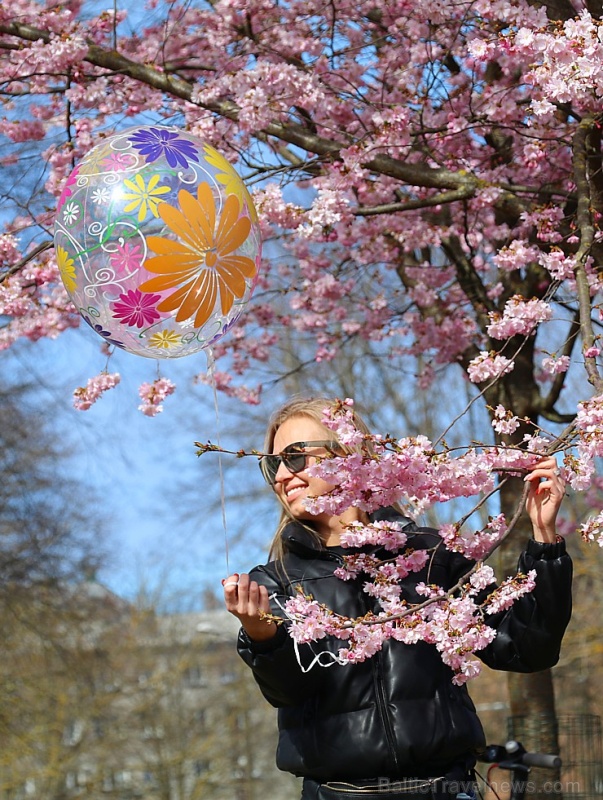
{"x":538,"y":729}
{"x":534,"y":692}
{"x":533,"y":714}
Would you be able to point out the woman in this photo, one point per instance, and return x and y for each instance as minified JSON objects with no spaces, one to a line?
{"x":394,"y":725}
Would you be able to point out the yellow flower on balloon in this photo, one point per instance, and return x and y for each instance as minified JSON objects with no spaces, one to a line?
{"x":66,"y":266}
{"x":201,"y":264}
{"x":91,"y":165}
{"x":230,"y":179}
{"x":164,"y":340}
{"x":144,"y":196}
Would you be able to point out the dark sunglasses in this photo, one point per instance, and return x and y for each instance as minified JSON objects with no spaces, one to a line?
{"x":293,"y":457}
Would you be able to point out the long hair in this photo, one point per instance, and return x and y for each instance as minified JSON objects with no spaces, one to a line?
{"x":313,"y":408}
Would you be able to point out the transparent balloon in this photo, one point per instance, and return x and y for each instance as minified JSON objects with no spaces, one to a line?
{"x":158,"y":242}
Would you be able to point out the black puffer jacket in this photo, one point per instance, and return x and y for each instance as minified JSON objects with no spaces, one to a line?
{"x":397,"y":714}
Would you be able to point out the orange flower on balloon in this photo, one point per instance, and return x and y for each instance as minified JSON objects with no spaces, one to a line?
{"x":201,"y":263}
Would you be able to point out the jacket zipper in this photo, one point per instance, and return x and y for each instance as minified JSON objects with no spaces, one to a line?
{"x":377,"y":670}
{"x":383,"y":710}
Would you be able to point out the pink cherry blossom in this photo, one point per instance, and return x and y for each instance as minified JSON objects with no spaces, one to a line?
{"x":504,"y":422}
{"x":486,"y":366}
{"x":508,"y":591}
{"x":555,"y":365}
{"x":592,"y":529}
{"x":474,"y":544}
{"x":520,"y":316}
{"x":153,"y":395}
{"x":85,"y":396}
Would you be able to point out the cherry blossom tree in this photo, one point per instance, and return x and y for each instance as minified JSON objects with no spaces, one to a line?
{"x":428,"y":178}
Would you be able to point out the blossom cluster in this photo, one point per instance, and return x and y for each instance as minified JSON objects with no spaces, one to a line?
{"x":520,"y":316}
{"x":487,"y":366}
{"x":389,"y":535}
{"x":504,"y":421}
{"x":455,"y":622}
{"x":222,"y":381}
{"x":382,"y":471}
{"x":153,"y":395}
{"x":85,"y":396}
{"x":592,"y":529}
{"x":566,"y":64}
{"x":475,"y":544}
{"x":580,"y":468}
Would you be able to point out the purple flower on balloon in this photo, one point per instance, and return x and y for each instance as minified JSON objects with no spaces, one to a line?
{"x":136,"y":308}
{"x":152,"y":143}
{"x":127,"y":257}
{"x":102,"y":332}
{"x":224,"y":330}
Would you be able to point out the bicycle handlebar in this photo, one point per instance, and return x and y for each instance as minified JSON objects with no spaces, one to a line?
{"x":541,"y":760}
{"x":514,"y":752}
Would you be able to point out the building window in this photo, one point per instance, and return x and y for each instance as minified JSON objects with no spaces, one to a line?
{"x":193,"y":677}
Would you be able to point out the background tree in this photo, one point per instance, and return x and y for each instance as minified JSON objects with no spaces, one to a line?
{"x":133,"y":704}
{"x":44,"y":536}
{"x":48,"y":546}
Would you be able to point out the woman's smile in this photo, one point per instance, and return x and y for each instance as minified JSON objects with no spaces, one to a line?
{"x":293,"y":488}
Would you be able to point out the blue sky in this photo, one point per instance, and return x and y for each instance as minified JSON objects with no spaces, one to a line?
{"x":161,"y":503}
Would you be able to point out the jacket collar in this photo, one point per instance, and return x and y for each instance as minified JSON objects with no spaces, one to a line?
{"x":298,"y":538}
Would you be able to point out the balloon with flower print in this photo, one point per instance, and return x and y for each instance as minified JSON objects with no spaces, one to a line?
{"x":157,"y":242}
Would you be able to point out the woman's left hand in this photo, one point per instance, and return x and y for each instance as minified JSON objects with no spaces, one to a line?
{"x":547,"y":489}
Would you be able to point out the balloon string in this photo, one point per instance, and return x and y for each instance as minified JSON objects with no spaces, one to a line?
{"x":210,"y":371}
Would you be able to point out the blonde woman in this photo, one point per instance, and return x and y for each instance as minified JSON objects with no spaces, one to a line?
{"x":394,"y":725}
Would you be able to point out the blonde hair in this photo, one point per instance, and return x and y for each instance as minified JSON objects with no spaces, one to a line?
{"x":313,"y":408}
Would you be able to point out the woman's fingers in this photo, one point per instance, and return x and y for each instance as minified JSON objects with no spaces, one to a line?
{"x":247,"y":600}
{"x":244,"y":597}
{"x":546,"y":476}
{"x":264,"y":602}
{"x":231,"y":585}
{"x":547,"y":490}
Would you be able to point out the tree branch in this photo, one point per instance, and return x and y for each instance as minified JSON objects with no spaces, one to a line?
{"x":547,"y":405}
{"x":582,"y":156}
{"x":469,"y":281}
{"x":293,"y":133}
{"x":427,"y":202}
{"x":25,"y":260}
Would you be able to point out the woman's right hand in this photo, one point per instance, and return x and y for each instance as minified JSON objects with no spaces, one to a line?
{"x":245,"y":599}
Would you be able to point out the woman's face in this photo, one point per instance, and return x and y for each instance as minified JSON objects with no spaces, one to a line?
{"x":293,"y":488}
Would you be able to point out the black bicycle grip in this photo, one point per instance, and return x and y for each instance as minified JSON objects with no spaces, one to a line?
{"x":541,"y":760}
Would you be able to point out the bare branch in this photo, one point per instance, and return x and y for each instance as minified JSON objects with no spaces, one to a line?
{"x":547,"y":405}
{"x":582,"y":155}
{"x":427,"y":202}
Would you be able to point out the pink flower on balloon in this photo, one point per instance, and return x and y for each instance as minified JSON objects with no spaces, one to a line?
{"x":66,"y":193}
{"x":136,"y":309}
{"x":127,"y":257}
{"x":117,"y":162}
